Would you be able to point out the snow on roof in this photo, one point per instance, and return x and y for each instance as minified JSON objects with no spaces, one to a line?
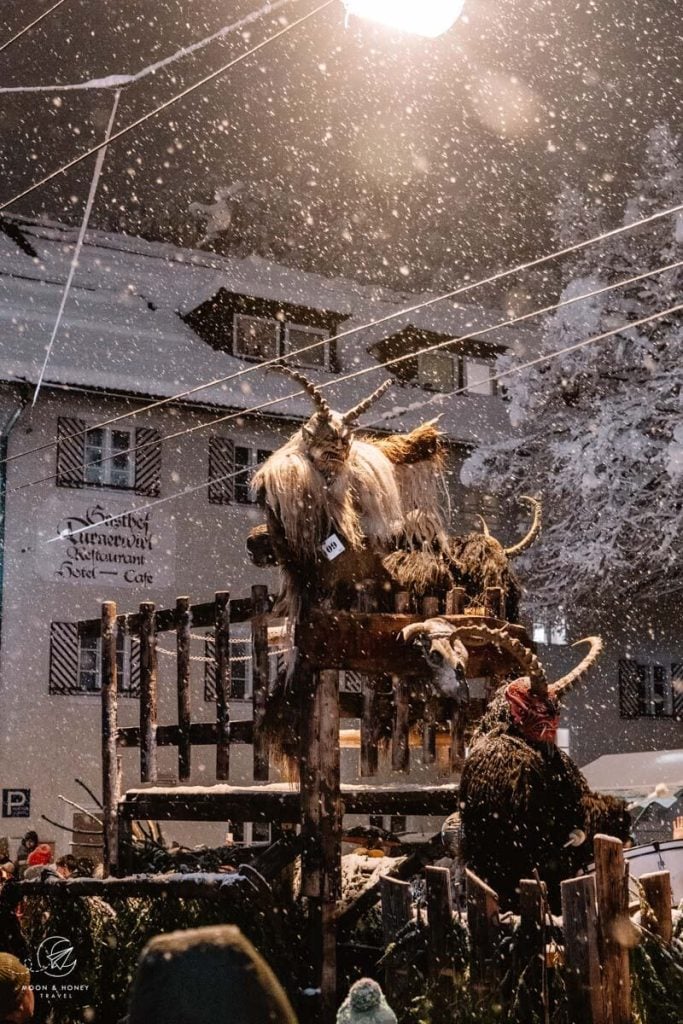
{"x":636,"y":774}
{"x":122,"y":329}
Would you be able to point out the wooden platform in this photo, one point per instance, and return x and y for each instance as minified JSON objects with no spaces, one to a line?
{"x":278,"y":802}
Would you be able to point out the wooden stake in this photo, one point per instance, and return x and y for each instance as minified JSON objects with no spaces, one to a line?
{"x":111,"y":762}
{"x":657,"y":890}
{"x":484,"y":924}
{"x":582,"y":960}
{"x":455,"y":601}
{"x":182,"y":610}
{"x":260,"y":676}
{"x":369,"y":744}
{"x":400,"y":734}
{"x":530,"y":948}
{"x":440,"y":919}
{"x":396,"y":913}
{"x":493,"y":602}
{"x":222,"y":654}
{"x":430,"y":607}
{"x":148,"y":693}
{"x":615,"y":928}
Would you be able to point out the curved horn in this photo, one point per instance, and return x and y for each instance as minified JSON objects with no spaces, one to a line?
{"x":358,"y":410}
{"x":413,"y":630}
{"x":534,"y":529}
{"x":524,"y":657}
{"x":484,"y":526}
{"x":563,"y":685}
{"x":311,"y":390}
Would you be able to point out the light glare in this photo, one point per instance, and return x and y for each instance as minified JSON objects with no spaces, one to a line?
{"x":426,"y":18}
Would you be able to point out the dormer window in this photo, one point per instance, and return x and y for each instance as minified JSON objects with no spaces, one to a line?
{"x":255,"y":337}
{"x":437,"y":371}
{"x":477,"y":374}
{"x":438,"y":362}
{"x":298,"y":336}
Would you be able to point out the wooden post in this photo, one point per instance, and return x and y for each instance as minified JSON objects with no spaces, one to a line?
{"x":111,"y":762}
{"x":582,"y":960}
{"x":455,"y":601}
{"x":615,"y":928}
{"x":430,"y":607}
{"x":402,"y":602}
{"x":657,"y":890}
{"x":400,"y":733}
{"x":484,"y":924}
{"x":182,"y":619}
{"x":440,"y":920}
{"x":148,"y":693}
{"x":493,"y":602}
{"x":396,"y":903}
{"x":530,"y":948}
{"x":321,"y":821}
{"x":369,"y":745}
{"x":222,"y":654}
{"x":429,"y":732}
{"x":260,"y":674}
{"x":457,"y":729}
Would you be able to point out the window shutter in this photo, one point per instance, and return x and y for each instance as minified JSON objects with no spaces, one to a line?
{"x":209,"y":669}
{"x":63,"y":675}
{"x":147,"y":462}
{"x":221,"y":468}
{"x":133,"y":688}
{"x":629,"y":689}
{"x":70,"y":452}
{"x":677,"y":687}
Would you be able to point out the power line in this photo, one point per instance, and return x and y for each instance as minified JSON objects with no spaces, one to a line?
{"x":166,"y":104}
{"x":28,"y":28}
{"x":630,"y":325}
{"x":625,"y":282}
{"x":460,"y":290}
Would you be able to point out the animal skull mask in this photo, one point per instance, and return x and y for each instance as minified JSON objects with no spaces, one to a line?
{"x":328,"y":434}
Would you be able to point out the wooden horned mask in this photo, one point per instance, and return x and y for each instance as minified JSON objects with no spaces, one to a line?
{"x":327,"y":435}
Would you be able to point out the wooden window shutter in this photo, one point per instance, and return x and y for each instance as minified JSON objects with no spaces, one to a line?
{"x":63,"y":673}
{"x":70,"y":452}
{"x":209,"y":669}
{"x":133,"y":688}
{"x":677,"y":688}
{"x":147,"y":462}
{"x":629,"y":689}
{"x":221,"y":470}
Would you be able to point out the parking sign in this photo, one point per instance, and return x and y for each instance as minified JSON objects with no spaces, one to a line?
{"x":16,"y":803}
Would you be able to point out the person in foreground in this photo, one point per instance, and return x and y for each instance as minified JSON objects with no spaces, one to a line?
{"x":365,"y":1004}
{"x":17,"y":1001}
{"x":206,"y":976}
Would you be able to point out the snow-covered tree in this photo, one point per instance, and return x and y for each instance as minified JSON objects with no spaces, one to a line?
{"x":599,"y":432}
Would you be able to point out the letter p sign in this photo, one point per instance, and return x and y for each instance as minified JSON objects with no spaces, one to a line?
{"x":16,"y":803}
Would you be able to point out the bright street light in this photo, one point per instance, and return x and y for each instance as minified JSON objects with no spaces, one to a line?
{"x":422,"y":17}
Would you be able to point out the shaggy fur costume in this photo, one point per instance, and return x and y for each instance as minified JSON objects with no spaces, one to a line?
{"x":520,"y":800}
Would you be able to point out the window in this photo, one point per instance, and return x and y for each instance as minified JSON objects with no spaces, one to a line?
{"x":552,"y":631}
{"x":263,"y":338}
{"x":75,"y":663}
{"x":256,"y":337}
{"x":246,"y":461}
{"x":394,"y":823}
{"x":299,"y":336}
{"x":250,"y":833}
{"x":477,"y":375}
{"x":436,"y":371}
{"x":241,"y":677}
{"x":647,"y":689}
{"x":108,"y":459}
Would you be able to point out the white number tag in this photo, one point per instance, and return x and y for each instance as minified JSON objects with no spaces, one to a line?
{"x":332,"y":547}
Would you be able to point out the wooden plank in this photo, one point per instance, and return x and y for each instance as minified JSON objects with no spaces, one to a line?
{"x":182,"y":612}
{"x":222,"y":655}
{"x":111,"y":763}
{"x":260,"y":674}
{"x":493,"y":602}
{"x":457,"y":728}
{"x":400,"y":731}
{"x":396,"y":906}
{"x":320,"y":786}
{"x":455,"y":601}
{"x":440,"y":919}
{"x":429,"y":732}
{"x":582,"y":960}
{"x":483,"y":919}
{"x":657,"y":890}
{"x":370,"y":643}
{"x":201,"y":734}
{"x":530,"y":949}
{"x":615,"y":928}
{"x":278,"y":802}
{"x":148,"y":693}
{"x":369,"y":742}
{"x":430,"y":607}
{"x":204,"y":615}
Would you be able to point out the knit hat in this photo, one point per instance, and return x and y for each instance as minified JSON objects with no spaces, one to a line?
{"x":41,"y":855}
{"x":14,"y":979}
{"x":365,"y":1004}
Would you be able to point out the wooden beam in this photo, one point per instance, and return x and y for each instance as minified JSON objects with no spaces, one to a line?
{"x":582,"y":959}
{"x":182,"y":610}
{"x":320,"y":787}
{"x":657,"y":890}
{"x":111,"y":764}
{"x":369,"y":741}
{"x":222,"y":655}
{"x":208,"y":886}
{"x":202,"y":734}
{"x":400,"y":730}
{"x":148,"y":693}
{"x":260,"y":674}
{"x":483,"y":919}
{"x":615,"y":928}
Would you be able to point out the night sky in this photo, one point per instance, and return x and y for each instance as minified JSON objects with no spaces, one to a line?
{"x":361,"y":151}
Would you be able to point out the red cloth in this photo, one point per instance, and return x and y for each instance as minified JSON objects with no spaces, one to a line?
{"x":536,"y":716}
{"x":41,"y":855}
